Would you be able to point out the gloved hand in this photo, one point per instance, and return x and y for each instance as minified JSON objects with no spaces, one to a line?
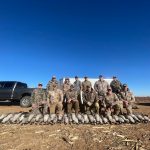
{"x":74,"y":100}
{"x":89,"y":103}
{"x":125,"y":103}
{"x":34,"y":106}
{"x":44,"y":102}
{"x":69,"y":101}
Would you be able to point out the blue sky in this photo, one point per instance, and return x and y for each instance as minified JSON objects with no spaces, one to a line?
{"x":39,"y":39}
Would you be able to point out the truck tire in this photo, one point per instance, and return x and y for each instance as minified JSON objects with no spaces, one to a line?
{"x":25,"y":101}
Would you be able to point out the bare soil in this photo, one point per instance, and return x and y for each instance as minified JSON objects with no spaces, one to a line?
{"x":76,"y":137}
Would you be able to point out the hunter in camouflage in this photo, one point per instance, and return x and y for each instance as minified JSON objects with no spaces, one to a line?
{"x":111,"y":102}
{"x":128,"y":98}
{"x":38,"y":99}
{"x":115,"y":85}
{"x":51,"y":83}
{"x":86,"y":83}
{"x":90,"y":100}
{"x":54,"y":100}
{"x":72,"y":101}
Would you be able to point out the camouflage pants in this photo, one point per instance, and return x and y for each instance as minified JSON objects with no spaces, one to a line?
{"x":93,"y":108}
{"x":115,"y":109}
{"x":128,"y":108}
{"x":40,"y":109}
{"x":65,"y":103}
{"x":101,"y":103}
{"x":56,"y":108}
{"x":81,"y":107}
{"x":73,"y":104}
{"x":121,"y":106}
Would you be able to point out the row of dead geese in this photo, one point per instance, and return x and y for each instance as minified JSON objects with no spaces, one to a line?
{"x":31,"y":118}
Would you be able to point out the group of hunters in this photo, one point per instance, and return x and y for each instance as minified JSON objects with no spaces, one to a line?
{"x":81,"y":97}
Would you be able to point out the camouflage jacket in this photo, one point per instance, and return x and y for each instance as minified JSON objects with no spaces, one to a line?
{"x":38,"y":95}
{"x":66,"y":87}
{"x":111,"y":99}
{"x":71,"y":95}
{"x":55,"y":96}
{"x":77,"y":85}
{"x":85,"y":84}
{"x":90,"y":96}
{"x":116,"y":85}
{"x":101,"y":87}
{"x":50,"y":85}
{"x":128,"y":96}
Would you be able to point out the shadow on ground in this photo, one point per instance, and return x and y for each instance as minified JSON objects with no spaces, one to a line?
{"x":144,"y":104}
{"x":9,"y":103}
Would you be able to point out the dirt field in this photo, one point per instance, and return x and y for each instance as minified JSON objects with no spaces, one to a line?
{"x":76,"y":137}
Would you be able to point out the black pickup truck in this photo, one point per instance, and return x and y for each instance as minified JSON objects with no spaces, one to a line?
{"x":14,"y":91}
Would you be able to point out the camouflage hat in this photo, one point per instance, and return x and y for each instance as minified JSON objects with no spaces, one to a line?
{"x":55,"y":85}
{"x":66,"y":78}
{"x":109,"y":89}
{"x":71,"y":86}
{"x":53,"y":77}
{"x":125,"y":85}
{"x":40,"y":84}
{"x":100,"y":76}
{"x":88,"y":86}
{"x":114,"y":77}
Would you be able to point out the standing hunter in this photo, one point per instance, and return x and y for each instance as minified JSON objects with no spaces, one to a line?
{"x":38,"y":99}
{"x":65,"y":88}
{"x":54,"y":100}
{"x":101,"y":86}
{"x":51,"y":83}
{"x":115,"y":85}
{"x":77,"y":85}
{"x":78,"y":88}
{"x":128,"y":98}
{"x":86,"y":83}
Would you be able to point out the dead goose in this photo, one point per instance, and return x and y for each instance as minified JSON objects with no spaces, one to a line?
{"x":111,"y":120}
{"x":146,"y":118}
{"x":125,"y":119}
{"x":121,"y":120}
{"x":130,"y":119}
{"x":60,"y":118}
{"x":46,"y":117}
{"x":25,"y":120}
{"x":80,"y":118}
{"x":53,"y":118}
{"x":135,"y":118}
{"x":74,"y":118}
{"x":86,"y":120}
{"x":3,"y":116}
{"x":116,"y":118}
{"x":66,"y":120}
{"x":92,"y":119}
{"x":31,"y":116}
{"x":32,"y":121}
{"x":105,"y":120}
{"x":7,"y":119}
{"x":140,"y":117}
{"x":16,"y":117}
{"x":38,"y":117}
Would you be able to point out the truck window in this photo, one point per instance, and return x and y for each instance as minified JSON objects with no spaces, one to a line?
{"x":8,"y":85}
{"x":21,"y":86}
